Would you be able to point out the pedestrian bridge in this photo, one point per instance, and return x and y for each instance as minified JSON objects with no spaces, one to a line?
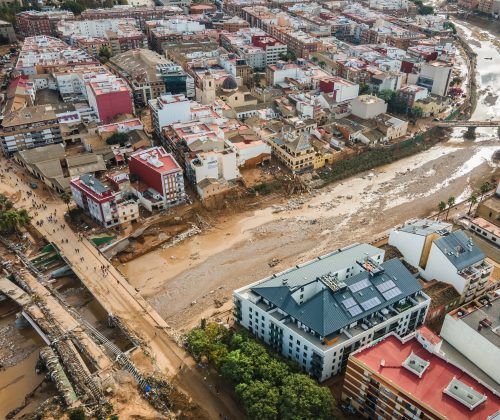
{"x":468,"y":123}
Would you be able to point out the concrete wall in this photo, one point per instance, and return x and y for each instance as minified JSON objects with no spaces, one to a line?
{"x":480,"y":351}
{"x":440,"y":268}
{"x":409,"y":244}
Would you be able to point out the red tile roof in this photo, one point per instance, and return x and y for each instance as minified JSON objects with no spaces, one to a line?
{"x":428,"y":389}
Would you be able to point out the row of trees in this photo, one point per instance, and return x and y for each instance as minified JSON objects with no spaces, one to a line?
{"x":267,"y":386}
{"x":11,"y":219}
{"x":473,"y":200}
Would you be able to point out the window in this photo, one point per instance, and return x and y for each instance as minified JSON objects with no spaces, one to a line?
{"x":250,"y":316}
{"x":291,"y":337}
{"x":298,"y":342}
{"x":305,"y":347}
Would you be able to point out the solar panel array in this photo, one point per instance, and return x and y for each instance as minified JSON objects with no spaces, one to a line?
{"x":385,"y":286}
{"x":360,"y":285}
{"x":370,"y":303}
{"x":349,"y":302}
{"x":395,"y":291}
{"x":355,"y":310}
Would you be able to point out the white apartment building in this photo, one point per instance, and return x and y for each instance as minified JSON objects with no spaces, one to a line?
{"x":436,"y":77}
{"x":169,"y":109}
{"x":214,"y":165}
{"x":414,"y":239}
{"x":108,"y":207}
{"x":473,"y":330}
{"x":318,"y":312}
{"x":456,"y":260}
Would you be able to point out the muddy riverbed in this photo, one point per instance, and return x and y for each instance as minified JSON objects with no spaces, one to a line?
{"x":185,"y":281}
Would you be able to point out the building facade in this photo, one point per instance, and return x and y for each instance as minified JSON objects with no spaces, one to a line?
{"x":409,"y":378}
{"x":318,"y":312}
{"x":161,"y":183}
{"x":104,"y":205}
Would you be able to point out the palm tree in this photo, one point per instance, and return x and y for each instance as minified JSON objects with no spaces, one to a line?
{"x":441,"y":208}
{"x":472,"y":200}
{"x":484,"y":188}
{"x":451,"y":203}
{"x":65,"y":197}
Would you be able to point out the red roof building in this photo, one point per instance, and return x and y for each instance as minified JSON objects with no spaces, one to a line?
{"x":410,"y":378}
{"x":159,"y":175}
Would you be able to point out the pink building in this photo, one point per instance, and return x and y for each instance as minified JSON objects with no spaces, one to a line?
{"x":109,"y":96}
{"x":159,"y":178}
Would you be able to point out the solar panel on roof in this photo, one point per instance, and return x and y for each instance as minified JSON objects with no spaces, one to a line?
{"x":392,"y":293}
{"x":385,"y":286}
{"x":348,"y":302}
{"x":360,"y":285}
{"x":370,"y":303}
{"x":355,"y":310}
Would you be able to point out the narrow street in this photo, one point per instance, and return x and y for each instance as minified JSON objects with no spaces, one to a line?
{"x":119,"y":298}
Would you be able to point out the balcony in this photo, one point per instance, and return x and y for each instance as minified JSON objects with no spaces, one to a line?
{"x":471,"y":274}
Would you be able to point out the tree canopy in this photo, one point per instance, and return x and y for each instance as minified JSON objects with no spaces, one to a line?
{"x":264,"y":382}
{"x":11,"y":219}
{"x":118,"y":138}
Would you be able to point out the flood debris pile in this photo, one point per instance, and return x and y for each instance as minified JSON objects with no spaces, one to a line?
{"x":158,"y":392}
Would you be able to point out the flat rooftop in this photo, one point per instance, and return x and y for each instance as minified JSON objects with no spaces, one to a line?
{"x":489,"y":317}
{"x":387,"y":358}
{"x":424,"y":227}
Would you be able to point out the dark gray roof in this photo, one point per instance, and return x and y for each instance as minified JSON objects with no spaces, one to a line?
{"x":460,"y":249}
{"x":229,"y":83}
{"x":93,"y":183}
{"x":325,"y":313}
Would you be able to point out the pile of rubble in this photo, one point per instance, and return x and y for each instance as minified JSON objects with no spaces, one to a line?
{"x":194,"y":230}
{"x":293,"y":204}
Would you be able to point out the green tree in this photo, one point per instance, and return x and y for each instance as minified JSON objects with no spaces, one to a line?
{"x":77,"y":414}
{"x":483,"y":189}
{"x":425,"y":10}
{"x":386,"y":94}
{"x":73,"y":6}
{"x":11,"y":219}
{"x":451,"y":203}
{"x":104,"y":54}
{"x":118,"y":138}
{"x":441,"y":208}
{"x":322,"y":64}
{"x":238,"y":368}
{"x":66,"y":198}
{"x":364,"y":89}
{"x":314,"y":59}
{"x":260,"y":399}
{"x":302,"y":398}
{"x":417,"y":112}
{"x":472,"y":201}
{"x":450,"y":25}
{"x":274,"y":372}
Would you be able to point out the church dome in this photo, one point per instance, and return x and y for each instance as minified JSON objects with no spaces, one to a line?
{"x":229,"y":84}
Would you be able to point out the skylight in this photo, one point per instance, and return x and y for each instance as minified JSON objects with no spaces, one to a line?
{"x":465,"y":394}
{"x":416,"y":364}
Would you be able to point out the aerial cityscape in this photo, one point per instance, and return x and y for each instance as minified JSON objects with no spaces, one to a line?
{"x":236,"y":209}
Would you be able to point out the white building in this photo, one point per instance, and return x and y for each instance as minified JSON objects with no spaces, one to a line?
{"x":414,"y":239}
{"x":214,"y":165}
{"x":169,"y":109}
{"x":456,"y":260}
{"x":473,"y":330}
{"x":318,"y":312}
{"x":436,"y":77}
{"x":108,"y":207}
{"x":368,"y":106}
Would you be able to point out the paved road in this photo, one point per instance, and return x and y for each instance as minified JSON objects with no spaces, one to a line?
{"x":118,"y":297}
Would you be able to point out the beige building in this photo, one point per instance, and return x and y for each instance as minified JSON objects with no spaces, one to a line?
{"x":297,"y":152}
{"x":392,"y":127}
{"x":368,"y":106}
{"x":432,"y":105}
